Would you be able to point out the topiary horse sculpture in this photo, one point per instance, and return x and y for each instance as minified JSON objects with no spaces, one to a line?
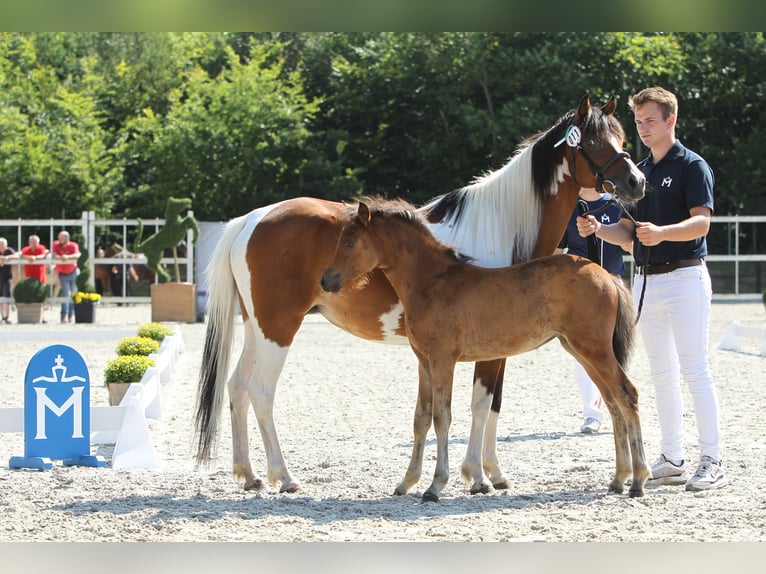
{"x":168,"y":237}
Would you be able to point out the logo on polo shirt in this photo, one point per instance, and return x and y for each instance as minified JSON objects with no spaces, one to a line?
{"x":666,"y":182}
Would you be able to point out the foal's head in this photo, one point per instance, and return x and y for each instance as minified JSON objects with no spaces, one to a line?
{"x":359,"y":246}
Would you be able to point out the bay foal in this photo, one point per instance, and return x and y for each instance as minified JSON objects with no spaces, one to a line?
{"x":456,"y":311}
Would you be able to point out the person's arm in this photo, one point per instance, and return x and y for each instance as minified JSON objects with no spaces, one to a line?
{"x":696,"y":225}
{"x":618,"y":233}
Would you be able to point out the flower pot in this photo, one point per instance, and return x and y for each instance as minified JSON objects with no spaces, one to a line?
{"x":30,"y":312}
{"x":116,"y":392}
{"x":84,"y":312}
{"x":174,"y":302}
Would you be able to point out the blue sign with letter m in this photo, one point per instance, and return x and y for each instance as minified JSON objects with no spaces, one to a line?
{"x":56,"y":409}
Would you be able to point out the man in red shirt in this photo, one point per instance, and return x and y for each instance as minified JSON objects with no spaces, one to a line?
{"x":65,"y":254}
{"x":34,"y":251}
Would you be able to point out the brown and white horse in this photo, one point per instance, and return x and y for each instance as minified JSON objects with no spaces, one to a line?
{"x":456,"y":311}
{"x":270,"y":261}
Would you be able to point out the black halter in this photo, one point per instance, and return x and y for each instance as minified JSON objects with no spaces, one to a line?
{"x":603,"y":185}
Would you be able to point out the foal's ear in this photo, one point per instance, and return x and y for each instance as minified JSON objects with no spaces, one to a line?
{"x":363,"y":214}
{"x":609,"y":107}
{"x":583,"y":109}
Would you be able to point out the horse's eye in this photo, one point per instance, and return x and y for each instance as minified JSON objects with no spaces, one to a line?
{"x":350,"y":244}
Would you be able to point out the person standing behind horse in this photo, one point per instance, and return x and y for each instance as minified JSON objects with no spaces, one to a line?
{"x":34,"y":251}
{"x":66,"y":253}
{"x":609,"y":256}
{"x":672,"y":287}
{"x":7,"y":254}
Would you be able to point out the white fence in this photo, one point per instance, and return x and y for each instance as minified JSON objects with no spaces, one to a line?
{"x":736,"y":275}
{"x":90,"y":228}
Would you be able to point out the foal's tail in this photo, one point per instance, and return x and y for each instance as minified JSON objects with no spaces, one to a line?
{"x":624,"y":328}
{"x":222,"y":300}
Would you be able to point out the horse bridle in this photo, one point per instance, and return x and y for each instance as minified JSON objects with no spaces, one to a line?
{"x":603,"y":185}
{"x":573,"y":140}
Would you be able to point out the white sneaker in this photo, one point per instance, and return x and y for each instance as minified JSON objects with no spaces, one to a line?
{"x":590,"y":426}
{"x":709,"y":475}
{"x":666,"y":472}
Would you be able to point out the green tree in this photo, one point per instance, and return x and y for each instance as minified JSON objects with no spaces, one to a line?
{"x":231,"y":143}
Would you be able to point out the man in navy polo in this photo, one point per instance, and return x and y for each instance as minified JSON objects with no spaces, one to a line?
{"x":672,"y":287}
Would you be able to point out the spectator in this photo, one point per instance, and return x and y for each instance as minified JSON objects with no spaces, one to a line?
{"x":65,"y":254}
{"x":34,"y":251}
{"x":6,"y":277}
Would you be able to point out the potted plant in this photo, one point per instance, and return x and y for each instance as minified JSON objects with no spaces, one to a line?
{"x":123,"y":370}
{"x":29,"y":295}
{"x":154,"y":330}
{"x":85,"y":306}
{"x":85,"y":297}
{"x":137,"y":346}
{"x":171,"y":300}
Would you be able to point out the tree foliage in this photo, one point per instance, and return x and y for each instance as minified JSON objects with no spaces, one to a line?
{"x":117,"y":123}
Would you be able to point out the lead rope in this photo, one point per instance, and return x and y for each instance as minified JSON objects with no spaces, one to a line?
{"x":614,"y":201}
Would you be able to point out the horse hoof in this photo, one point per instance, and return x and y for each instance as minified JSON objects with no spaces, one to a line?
{"x":635,"y":493}
{"x":290,"y":488}
{"x":501,"y":484}
{"x":617,"y":489}
{"x":480,"y":489}
{"x":254,"y":484}
{"x":430,"y":497}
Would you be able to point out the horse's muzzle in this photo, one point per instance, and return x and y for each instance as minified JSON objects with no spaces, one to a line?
{"x":330,"y":281}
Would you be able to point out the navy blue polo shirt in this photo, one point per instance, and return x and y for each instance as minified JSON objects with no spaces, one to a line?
{"x":611,"y":254}
{"x":678,"y":182}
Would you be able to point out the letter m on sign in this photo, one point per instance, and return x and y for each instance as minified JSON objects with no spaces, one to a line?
{"x":57,"y":405}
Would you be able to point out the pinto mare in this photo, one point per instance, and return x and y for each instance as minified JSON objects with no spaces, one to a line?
{"x":271,"y":259}
{"x":456,"y":311}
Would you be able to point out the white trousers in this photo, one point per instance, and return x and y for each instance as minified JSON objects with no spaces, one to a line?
{"x":591,"y":399}
{"x":674,"y":325}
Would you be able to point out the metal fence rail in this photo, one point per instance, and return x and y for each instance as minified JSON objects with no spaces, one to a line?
{"x":738,"y":273}
{"x":90,"y":227}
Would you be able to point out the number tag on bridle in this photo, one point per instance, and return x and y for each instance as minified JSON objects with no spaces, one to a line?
{"x":573,"y":137}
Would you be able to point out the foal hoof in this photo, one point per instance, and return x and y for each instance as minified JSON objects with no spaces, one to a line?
{"x":254,"y":484}
{"x":503,"y":484}
{"x":615,"y":489}
{"x":430,"y":497}
{"x":481,"y":488}
{"x":635,"y":493}
{"x":290,"y":488}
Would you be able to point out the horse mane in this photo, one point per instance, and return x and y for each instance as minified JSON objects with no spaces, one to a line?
{"x":402,"y":210}
{"x":500,"y":211}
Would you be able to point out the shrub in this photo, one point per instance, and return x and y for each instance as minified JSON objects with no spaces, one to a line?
{"x":127,"y":368}
{"x":156,"y":331}
{"x":30,"y":290}
{"x":137,"y":346}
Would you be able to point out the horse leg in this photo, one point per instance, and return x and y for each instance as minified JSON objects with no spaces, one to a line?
{"x":268,"y":363}
{"x":441,"y":380}
{"x":238,"y":407}
{"x":472,"y":470}
{"x":621,"y":398}
{"x":486,"y":372}
{"x":421,"y":424}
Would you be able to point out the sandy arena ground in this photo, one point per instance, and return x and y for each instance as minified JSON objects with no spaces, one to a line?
{"x":344,"y":411}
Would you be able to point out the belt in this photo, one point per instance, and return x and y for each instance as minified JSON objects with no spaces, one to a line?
{"x":668,"y":267}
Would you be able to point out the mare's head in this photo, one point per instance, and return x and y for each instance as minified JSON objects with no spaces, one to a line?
{"x":591,"y":139}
